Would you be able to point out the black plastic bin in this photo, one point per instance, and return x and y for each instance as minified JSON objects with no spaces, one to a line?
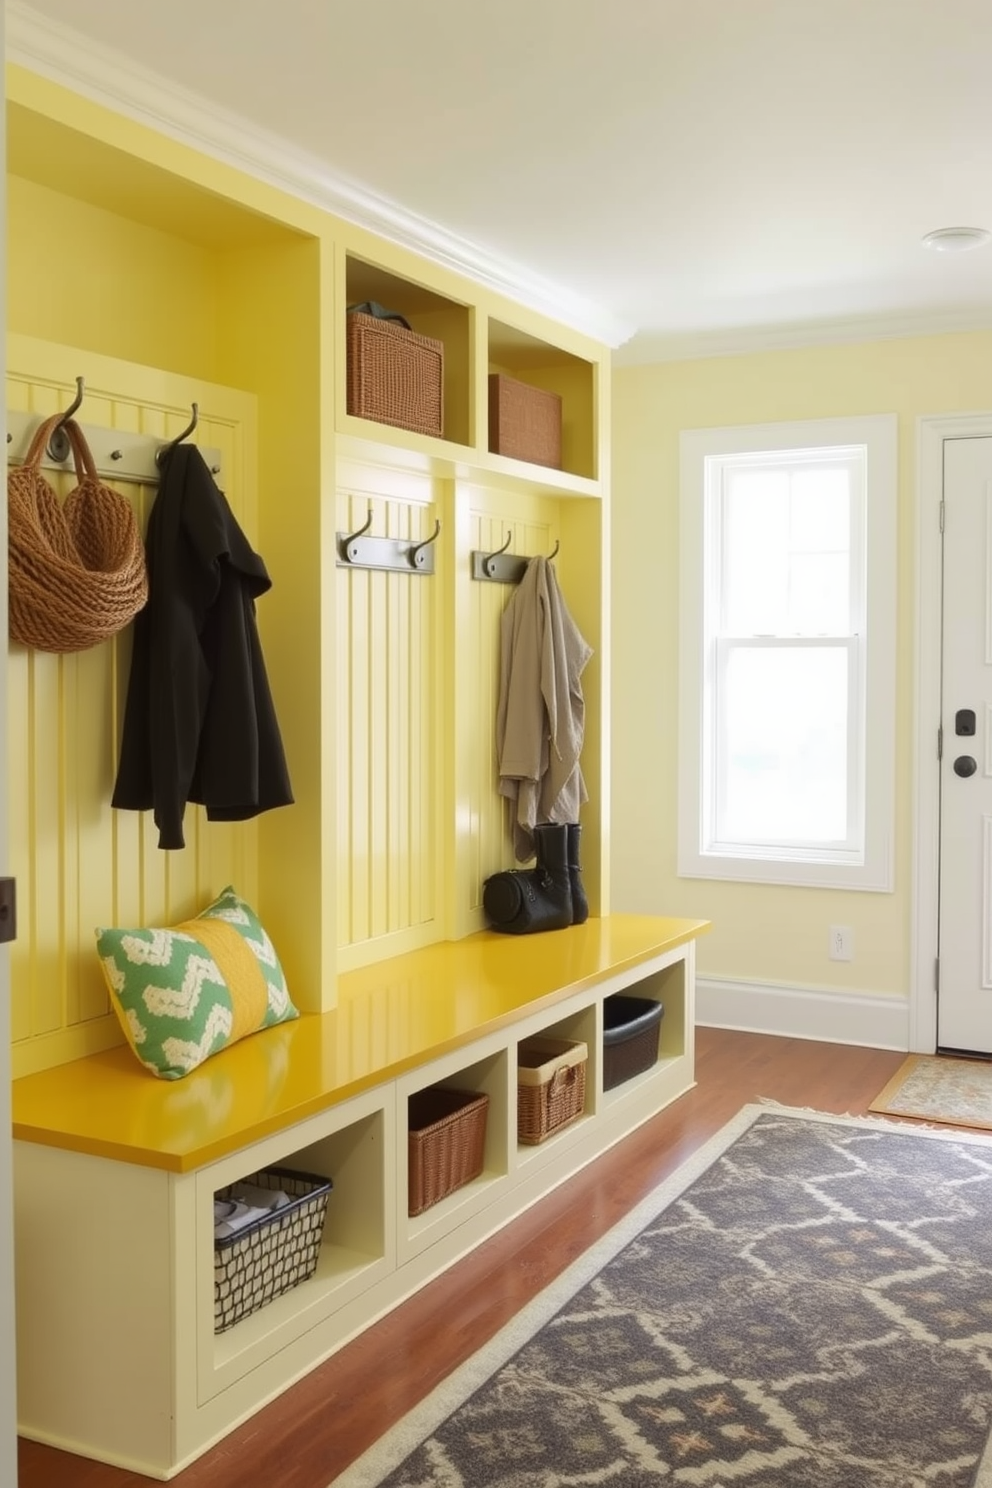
{"x":631,"y":1028}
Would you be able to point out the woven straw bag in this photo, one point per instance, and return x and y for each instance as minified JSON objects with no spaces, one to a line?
{"x":77,"y":569}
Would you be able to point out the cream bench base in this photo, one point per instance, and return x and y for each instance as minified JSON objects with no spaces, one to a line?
{"x":117,"y":1357}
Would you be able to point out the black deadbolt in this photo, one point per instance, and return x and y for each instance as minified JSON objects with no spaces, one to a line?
{"x":964,"y":722}
{"x":964,"y":765}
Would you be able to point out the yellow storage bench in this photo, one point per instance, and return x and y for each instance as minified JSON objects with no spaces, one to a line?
{"x":116,"y":1172}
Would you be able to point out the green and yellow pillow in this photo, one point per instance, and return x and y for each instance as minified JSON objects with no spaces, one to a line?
{"x":184,"y":993}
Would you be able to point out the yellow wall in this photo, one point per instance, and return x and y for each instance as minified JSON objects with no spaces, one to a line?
{"x":79,"y":864}
{"x":761,"y":933}
{"x":80,"y":275}
{"x":270,"y":310}
{"x":129,"y":247}
{"x":387,"y":738}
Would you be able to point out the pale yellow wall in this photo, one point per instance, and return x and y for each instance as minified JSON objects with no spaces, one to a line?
{"x":763,"y":933}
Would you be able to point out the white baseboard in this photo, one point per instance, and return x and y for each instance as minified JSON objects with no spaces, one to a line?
{"x":821,"y":1013}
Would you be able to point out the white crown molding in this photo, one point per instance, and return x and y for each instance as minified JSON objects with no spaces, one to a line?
{"x":107,"y":77}
{"x":649,"y":347}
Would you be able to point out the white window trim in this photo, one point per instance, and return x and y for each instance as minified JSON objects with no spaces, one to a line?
{"x":879,"y":433}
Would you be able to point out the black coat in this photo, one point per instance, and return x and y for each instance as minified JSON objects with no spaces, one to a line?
{"x":199,"y":724}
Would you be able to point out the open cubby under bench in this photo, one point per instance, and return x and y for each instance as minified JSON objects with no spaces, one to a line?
{"x":116,"y":1171}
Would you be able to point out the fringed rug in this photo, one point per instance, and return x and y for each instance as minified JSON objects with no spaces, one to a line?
{"x":806,"y":1304}
{"x":940,"y":1087}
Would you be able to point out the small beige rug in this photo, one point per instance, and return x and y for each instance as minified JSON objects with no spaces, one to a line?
{"x":940,"y":1087}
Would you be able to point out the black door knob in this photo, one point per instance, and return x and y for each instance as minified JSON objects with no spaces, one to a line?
{"x":964,"y":765}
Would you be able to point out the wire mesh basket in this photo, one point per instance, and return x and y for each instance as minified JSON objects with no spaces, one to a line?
{"x":274,"y":1253}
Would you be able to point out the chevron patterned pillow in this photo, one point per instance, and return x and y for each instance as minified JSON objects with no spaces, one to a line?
{"x":184,"y":993}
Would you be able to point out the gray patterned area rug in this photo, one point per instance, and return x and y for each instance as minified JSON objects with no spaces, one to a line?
{"x":807,"y":1304}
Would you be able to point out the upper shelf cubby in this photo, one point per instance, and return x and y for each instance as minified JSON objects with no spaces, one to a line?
{"x":528,"y":359}
{"x":429,"y":314}
{"x":83,"y":168}
{"x":119,"y":255}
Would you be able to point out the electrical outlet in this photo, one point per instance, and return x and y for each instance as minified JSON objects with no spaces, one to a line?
{"x":841,"y":943}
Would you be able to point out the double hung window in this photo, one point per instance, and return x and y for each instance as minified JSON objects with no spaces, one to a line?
{"x":787,"y":654}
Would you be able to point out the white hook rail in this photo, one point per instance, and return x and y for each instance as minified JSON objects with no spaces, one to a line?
{"x":118,"y":456}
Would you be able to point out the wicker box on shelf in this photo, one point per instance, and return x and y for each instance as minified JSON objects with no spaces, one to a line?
{"x":395,"y":376}
{"x":446,"y":1143}
{"x":631,"y":1029}
{"x":270,"y":1255}
{"x":551,"y":1086}
{"x":524,"y":421}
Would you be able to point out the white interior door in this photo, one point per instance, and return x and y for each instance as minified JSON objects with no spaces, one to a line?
{"x":964,"y":996}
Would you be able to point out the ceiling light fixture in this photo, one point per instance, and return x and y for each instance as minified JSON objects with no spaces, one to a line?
{"x":956,"y":239}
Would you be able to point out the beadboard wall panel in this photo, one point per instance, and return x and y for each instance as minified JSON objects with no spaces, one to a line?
{"x":79,"y":864}
{"x":388,"y":754}
{"x":532,"y":528}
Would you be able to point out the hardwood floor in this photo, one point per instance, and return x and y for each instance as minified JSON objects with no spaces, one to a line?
{"x":313,"y":1431}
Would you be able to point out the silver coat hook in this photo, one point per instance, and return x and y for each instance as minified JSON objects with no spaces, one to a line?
{"x":58,"y":440}
{"x":391,"y":554}
{"x":487,"y":562}
{"x":165,"y":449}
{"x":554,"y":554}
{"x":417,"y":555}
{"x":350,"y":551}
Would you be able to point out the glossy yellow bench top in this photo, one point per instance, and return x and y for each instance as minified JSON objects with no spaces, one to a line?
{"x":390,"y":1017}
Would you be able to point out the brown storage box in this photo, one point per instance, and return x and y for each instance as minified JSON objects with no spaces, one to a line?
{"x":524,"y":421}
{"x":395,"y":376}
{"x":551,"y":1086}
{"x":446,"y":1143}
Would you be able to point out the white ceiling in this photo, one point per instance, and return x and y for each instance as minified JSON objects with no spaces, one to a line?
{"x":707,"y":174}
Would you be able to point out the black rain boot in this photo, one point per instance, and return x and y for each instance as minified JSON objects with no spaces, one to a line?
{"x":551,"y":846}
{"x":580,"y":904}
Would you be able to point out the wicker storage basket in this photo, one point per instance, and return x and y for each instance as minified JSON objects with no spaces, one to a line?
{"x":273,"y":1254}
{"x":395,"y":376}
{"x":446,"y":1142}
{"x":524,"y":421}
{"x":631,"y":1028}
{"x":551,"y":1086}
